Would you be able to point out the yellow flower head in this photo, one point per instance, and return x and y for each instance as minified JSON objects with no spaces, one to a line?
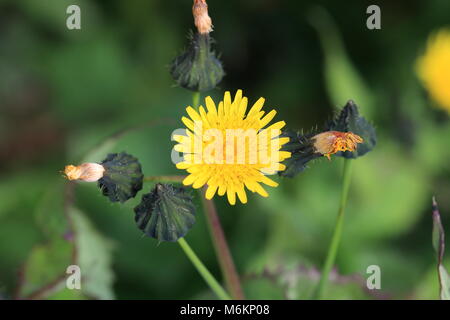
{"x":331,"y":142}
{"x":434,"y":68}
{"x":228,"y":148}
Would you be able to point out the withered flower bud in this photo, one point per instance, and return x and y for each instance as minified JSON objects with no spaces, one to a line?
{"x":119,"y":176}
{"x":201,"y":18}
{"x":331,"y":142}
{"x":198,"y":68}
{"x":88,"y":172}
{"x":349,"y":120}
{"x":348,"y":135}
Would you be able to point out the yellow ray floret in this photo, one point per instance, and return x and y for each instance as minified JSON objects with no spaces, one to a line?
{"x":229,"y":149}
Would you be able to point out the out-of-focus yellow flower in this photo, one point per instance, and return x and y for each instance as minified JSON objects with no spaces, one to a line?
{"x":433,"y":68}
{"x":229,"y":149}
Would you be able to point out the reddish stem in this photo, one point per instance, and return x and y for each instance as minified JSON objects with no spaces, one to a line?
{"x":222,"y":251}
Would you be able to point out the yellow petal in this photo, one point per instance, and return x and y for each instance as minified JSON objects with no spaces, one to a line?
{"x":264,"y":121}
{"x":256,"y":107}
{"x":220,"y":112}
{"x":183,"y":165}
{"x":222,"y":189}
{"x":211,"y":191}
{"x":241,"y":194}
{"x":242,"y":107}
{"x":277,"y":125}
{"x":210,"y":105}
{"x":227,"y":98}
{"x":188,"y":123}
{"x":237,"y":101}
{"x":269,"y":181}
{"x":260,"y":190}
{"x":284,"y":155}
{"x":201,"y":180}
{"x":193,"y":114}
{"x":283,"y":140}
{"x":190,"y":179}
{"x":231,"y":195}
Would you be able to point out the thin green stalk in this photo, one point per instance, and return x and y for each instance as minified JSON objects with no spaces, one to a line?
{"x":164,"y":179}
{"x":332,"y":251}
{"x":207,"y":276}
{"x":195,"y":99}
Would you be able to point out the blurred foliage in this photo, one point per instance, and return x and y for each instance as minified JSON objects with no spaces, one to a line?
{"x":63,"y":92}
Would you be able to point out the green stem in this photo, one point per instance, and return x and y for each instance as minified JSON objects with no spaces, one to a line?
{"x":332,"y":251}
{"x":174,"y":179}
{"x":195,"y":99}
{"x":207,"y":276}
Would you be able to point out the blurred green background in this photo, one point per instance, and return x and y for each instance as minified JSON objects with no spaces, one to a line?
{"x":62,"y":92}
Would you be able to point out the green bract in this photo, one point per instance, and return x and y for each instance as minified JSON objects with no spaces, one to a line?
{"x":302,"y":151}
{"x":122,"y":178}
{"x":198,"y":68}
{"x":166,"y":213}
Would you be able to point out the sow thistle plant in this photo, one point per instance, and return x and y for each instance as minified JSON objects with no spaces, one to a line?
{"x":226,"y":148}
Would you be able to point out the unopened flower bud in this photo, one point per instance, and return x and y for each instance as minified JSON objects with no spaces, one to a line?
{"x":198,"y":68}
{"x":331,"y":142}
{"x":88,"y":172}
{"x":166,"y":213}
{"x":201,"y":18}
{"x":123,"y":177}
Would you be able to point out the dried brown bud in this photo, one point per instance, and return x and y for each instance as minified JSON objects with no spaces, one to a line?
{"x":330,"y":142}
{"x":201,"y":18}
{"x":89,"y":172}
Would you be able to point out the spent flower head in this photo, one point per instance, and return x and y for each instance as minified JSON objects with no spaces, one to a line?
{"x":229,"y":149}
{"x":198,"y":68}
{"x":201,"y":17}
{"x":331,"y":142}
{"x":88,"y":172}
{"x":119,"y":176}
{"x":348,"y":135}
